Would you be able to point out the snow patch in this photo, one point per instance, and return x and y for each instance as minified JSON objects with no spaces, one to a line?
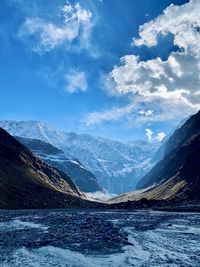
{"x":98,"y":196}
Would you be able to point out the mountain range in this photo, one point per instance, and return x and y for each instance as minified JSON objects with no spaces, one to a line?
{"x":28,"y":181}
{"x":118,"y":166}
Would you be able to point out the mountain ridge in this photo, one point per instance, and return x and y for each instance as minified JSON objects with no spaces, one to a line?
{"x":177,"y":176}
{"x":117,"y":165}
{"x":82,"y":177}
{"x":190,"y":128}
{"x":27,"y":182}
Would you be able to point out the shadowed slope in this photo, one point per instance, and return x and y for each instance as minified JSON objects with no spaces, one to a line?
{"x":28,"y":182}
{"x":177,"y":176}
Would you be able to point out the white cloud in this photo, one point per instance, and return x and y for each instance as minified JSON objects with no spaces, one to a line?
{"x":76,"y":24}
{"x":146,"y":113}
{"x":117,"y":113}
{"x":168,"y":87}
{"x":182,"y":21}
{"x":160,"y":136}
{"x":176,"y":79}
{"x":151,"y":137}
{"x":76,"y":81}
{"x":113,"y":114}
{"x":149,"y":134}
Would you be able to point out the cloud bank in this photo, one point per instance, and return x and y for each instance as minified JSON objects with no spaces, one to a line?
{"x":159,"y":90}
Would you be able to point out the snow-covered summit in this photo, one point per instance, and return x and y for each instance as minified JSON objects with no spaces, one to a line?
{"x":117,"y":165}
{"x":34,"y":130}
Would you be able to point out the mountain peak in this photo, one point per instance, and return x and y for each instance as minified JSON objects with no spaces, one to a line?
{"x":33,"y":129}
{"x":117,"y":165}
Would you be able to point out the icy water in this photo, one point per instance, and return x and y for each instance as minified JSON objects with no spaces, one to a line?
{"x":80,"y":238}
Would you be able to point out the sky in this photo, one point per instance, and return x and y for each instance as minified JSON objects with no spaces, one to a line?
{"x":121,"y":69}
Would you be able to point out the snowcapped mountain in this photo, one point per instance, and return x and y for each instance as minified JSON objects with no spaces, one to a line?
{"x":118,"y":166}
{"x":82,"y":177}
{"x":34,"y":130}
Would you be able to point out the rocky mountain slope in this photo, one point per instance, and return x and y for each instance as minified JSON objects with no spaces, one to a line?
{"x":177,"y":176}
{"x":118,"y":166}
{"x":82,"y":177}
{"x":165,"y":168}
{"x":27,"y":182}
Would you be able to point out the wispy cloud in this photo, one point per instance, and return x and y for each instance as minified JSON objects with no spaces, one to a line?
{"x":75,"y":81}
{"x":113,"y":114}
{"x":168,"y":89}
{"x":45,"y":35}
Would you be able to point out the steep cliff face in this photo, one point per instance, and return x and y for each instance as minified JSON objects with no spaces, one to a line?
{"x":27,"y":182}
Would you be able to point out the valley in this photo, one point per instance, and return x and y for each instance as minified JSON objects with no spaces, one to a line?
{"x":100,"y":133}
{"x":117,"y":166}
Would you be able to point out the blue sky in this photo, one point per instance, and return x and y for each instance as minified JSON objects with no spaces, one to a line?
{"x":58,"y":58}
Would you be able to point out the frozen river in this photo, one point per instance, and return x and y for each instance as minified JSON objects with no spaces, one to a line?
{"x":80,"y":238}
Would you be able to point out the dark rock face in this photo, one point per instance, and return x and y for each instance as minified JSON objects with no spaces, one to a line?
{"x":27,"y":182}
{"x":178,"y":174}
{"x":82,"y":177}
